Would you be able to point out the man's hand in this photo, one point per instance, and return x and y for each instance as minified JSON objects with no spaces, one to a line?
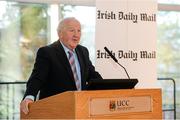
{"x":24,"y":105}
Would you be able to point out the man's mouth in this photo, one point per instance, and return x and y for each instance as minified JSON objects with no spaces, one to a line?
{"x":76,"y":40}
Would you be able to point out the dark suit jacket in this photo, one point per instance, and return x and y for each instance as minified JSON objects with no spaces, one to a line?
{"x":52,"y":73}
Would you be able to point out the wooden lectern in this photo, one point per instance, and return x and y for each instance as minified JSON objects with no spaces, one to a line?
{"x":99,"y":104}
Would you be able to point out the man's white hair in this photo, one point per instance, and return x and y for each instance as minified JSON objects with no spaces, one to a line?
{"x":61,"y":24}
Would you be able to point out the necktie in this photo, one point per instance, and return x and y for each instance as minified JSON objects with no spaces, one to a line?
{"x":73,"y":67}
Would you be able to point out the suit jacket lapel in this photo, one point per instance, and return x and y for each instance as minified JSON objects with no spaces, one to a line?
{"x":63,"y":58}
{"x":80,"y":58}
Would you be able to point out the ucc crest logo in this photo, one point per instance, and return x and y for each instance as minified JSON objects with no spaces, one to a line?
{"x":112,"y":105}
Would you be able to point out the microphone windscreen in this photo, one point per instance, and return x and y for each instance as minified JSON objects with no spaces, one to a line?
{"x":112,"y":56}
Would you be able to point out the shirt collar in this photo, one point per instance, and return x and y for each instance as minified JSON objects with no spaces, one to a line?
{"x":66,"y":49}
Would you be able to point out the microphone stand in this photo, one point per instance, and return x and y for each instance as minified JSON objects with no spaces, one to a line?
{"x":114,"y":58}
{"x":124,"y":69}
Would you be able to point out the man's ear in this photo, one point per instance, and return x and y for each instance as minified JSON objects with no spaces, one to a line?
{"x":60,"y":34}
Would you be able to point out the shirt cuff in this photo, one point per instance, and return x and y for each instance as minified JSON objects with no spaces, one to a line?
{"x":29,"y":97}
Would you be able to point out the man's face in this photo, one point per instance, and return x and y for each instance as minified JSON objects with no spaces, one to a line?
{"x":70,"y":34}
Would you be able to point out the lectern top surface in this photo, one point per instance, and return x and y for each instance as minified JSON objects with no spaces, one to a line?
{"x":105,"y":84}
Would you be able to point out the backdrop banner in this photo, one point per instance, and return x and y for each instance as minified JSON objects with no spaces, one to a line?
{"x":128,"y":29}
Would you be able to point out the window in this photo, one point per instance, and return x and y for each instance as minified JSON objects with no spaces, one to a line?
{"x":168,"y":55}
{"x":23,"y":29}
{"x":175,"y":2}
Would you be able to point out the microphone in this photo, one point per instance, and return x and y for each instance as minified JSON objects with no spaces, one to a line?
{"x":114,"y":58}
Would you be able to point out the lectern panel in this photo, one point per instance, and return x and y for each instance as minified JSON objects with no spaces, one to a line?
{"x":99,"y":104}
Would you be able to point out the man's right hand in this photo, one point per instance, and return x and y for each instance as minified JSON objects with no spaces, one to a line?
{"x":24,"y":106}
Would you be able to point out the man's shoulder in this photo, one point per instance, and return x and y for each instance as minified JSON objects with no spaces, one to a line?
{"x":51,"y":45}
{"x":54,"y":44}
{"x":81,"y":47}
{"x":47,"y":48}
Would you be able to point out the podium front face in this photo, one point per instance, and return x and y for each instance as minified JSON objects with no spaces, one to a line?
{"x":100,"y":104}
